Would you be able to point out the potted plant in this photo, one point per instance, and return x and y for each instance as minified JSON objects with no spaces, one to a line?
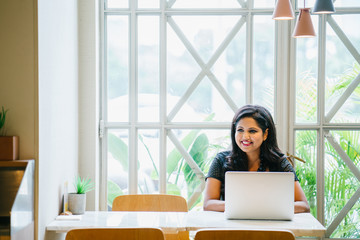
{"x":77,"y":200}
{"x":2,"y":121}
{"x":9,"y":145}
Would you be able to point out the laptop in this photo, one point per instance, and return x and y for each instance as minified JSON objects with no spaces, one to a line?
{"x":259,"y":195}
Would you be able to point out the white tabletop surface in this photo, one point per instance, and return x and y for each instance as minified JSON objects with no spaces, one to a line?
{"x":303,"y":224}
{"x":168,"y":221}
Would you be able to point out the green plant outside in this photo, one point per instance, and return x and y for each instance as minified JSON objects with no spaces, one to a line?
{"x":195,"y":142}
{"x":113,"y":191}
{"x":340,"y":183}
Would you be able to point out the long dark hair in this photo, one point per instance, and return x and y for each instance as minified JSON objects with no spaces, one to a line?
{"x":270,"y":154}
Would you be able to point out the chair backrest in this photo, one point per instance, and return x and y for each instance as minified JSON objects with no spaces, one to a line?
{"x":150,"y":202}
{"x":115,"y":234}
{"x":236,"y":234}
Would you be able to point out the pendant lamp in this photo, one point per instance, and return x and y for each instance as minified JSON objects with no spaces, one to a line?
{"x":304,"y":27}
{"x":323,"y":7}
{"x":283,"y":10}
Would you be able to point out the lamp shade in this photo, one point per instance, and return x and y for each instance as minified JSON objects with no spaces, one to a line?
{"x":323,"y":7}
{"x":283,"y":10}
{"x":304,"y":26}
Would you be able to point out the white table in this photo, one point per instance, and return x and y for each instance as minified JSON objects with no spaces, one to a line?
{"x":169,"y":222}
{"x":303,"y":224}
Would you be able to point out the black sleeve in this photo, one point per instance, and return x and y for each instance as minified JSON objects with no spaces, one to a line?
{"x":287,"y":167}
{"x":216,"y":169}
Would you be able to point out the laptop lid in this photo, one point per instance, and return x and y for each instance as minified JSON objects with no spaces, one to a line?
{"x":259,"y":195}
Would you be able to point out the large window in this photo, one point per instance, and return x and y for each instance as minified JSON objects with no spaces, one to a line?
{"x":175,"y":71}
{"x":326,"y":125}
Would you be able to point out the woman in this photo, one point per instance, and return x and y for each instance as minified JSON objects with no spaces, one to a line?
{"x":254,"y":148}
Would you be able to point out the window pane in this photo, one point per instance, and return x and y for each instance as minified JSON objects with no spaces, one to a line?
{"x":149,"y":3}
{"x":307,"y":3}
{"x":148,"y":68}
{"x":202,"y":145}
{"x":148,"y":153}
{"x":263,"y":62}
{"x":206,"y":4}
{"x":349,"y":227}
{"x":179,"y":61}
{"x":230,"y":71}
{"x":346,"y":3}
{"x":305,"y":144}
{"x":340,"y":182}
{"x":264,"y":3}
{"x":346,"y":22}
{"x":117,"y":68}
{"x":337,"y":3}
{"x":117,"y":3}
{"x":117,"y":164}
{"x":204,"y":105}
{"x":205,"y":34}
{"x":341,"y":70}
{"x":306,"y":78}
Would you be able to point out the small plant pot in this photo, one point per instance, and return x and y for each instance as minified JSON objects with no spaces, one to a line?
{"x":77,"y":203}
{"x":9,"y":148}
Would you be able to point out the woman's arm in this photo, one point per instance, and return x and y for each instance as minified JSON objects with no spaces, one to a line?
{"x":212,"y":200}
{"x":301,"y":204}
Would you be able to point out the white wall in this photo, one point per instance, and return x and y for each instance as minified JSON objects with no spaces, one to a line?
{"x":89,"y":96}
{"x":58,"y":104}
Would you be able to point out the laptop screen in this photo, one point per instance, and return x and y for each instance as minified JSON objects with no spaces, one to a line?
{"x":259,"y":195}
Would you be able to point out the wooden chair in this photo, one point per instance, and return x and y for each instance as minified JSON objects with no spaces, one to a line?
{"x":153,"y":203}
{"x":236,"y":234}
{"x":150,"y":203}
{"x":115,"y":234}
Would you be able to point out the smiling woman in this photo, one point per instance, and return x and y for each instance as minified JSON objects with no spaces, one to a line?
{"x":249,"y":137}
{"x":254,"y":148}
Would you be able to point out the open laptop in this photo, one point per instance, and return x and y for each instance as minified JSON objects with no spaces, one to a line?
{"x":259,"y":195}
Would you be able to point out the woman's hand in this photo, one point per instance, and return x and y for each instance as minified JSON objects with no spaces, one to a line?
{"x":212,"y":200}
{"x":301,"y":204}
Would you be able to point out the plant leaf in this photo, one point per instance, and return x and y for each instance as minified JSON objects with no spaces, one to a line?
{"x":175,"y":156}
{"x":113,"y":191}
{"x":2,"y":120}
{"x":83,"y":185}
{"x":173,"y":189}
{"x":119,"y":150}
{"x":199,"y":154}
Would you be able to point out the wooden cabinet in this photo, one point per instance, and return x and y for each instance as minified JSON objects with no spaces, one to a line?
{"x":17,"y":199}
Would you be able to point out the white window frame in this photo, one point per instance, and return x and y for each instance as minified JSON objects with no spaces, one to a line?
{"x":281,"y":76}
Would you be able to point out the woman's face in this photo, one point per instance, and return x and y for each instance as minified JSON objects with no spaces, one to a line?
{"x":249,"y":136}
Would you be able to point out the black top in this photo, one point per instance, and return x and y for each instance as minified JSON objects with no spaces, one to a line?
{"x":217,"y":169}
